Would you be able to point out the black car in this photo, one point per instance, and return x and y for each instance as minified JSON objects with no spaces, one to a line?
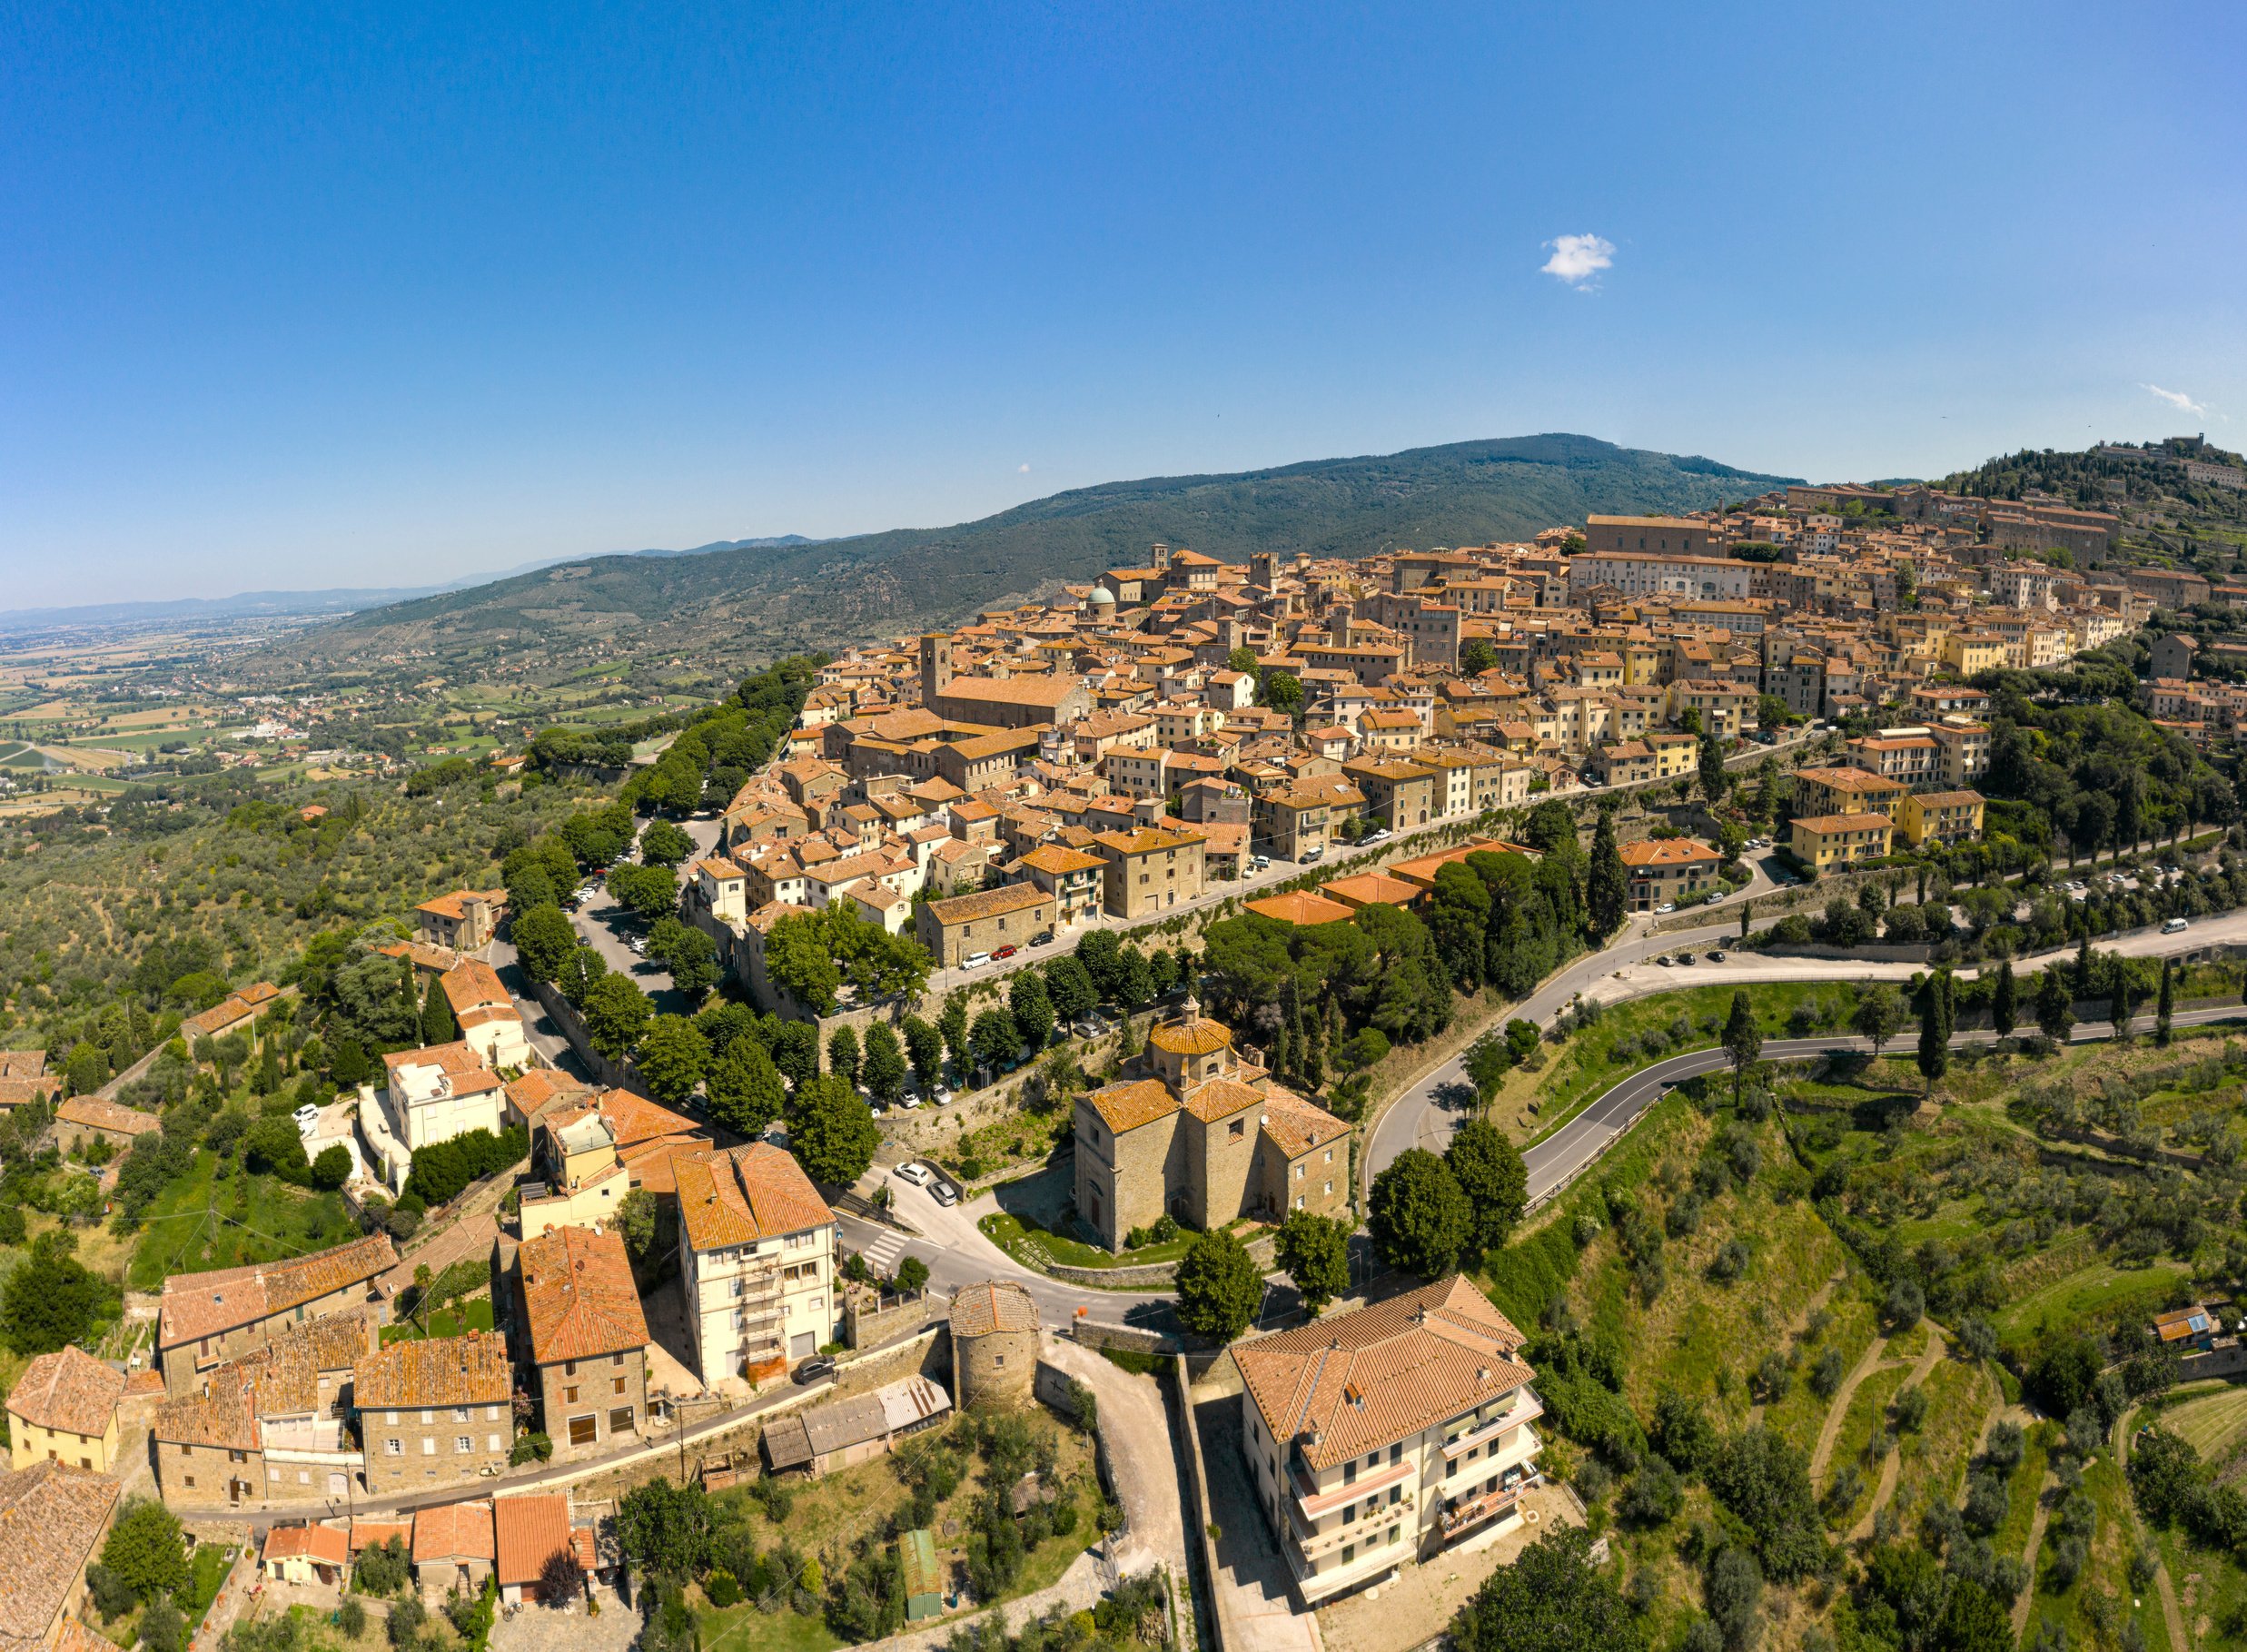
{"x":813,"y":1371}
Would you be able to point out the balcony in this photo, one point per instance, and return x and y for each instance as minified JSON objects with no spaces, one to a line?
{"x":1315,"y":1584}
{"x":1315,"y":1500}
{"x":1465,"y":1517}
{"x":1526,"y":1409}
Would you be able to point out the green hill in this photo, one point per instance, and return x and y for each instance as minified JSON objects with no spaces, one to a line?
{"x":769,"y":600}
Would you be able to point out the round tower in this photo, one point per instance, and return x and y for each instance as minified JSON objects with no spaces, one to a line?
{"x":995,"y":1344}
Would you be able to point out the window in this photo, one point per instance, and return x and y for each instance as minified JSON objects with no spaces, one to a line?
{"x":459,"y":1413}
{"x":463,"y":1444}
{"x":303,"y":1476}
{"x":491,"y":1442}
{"x":620,"y":1420}
{"x":616,"y":1385}
{"x":429,"y":1445}
{"x":393,"y":1447}
{"x":491,"y":1413}
{"x":1236,"y":1130}
{"x":391,"y":1418}
{"x":569,"y":1395}
{"x":190,"y":1480}
{"x":582,"y":1430}
{"x":1330,"y":1187}
{"x":998,"y":1360}
{"x":1299,"y":1201}
{"x":615,"y":1359}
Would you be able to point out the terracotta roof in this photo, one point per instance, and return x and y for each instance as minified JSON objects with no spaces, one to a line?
{"x":988,"y":903}
{"x":1298,"y":1126}
{"x":1351,"y":1383}
{"x":1665,"y":852}
{"x":1220,"y":1098}
{"x":1057,"y":859}
{"x":70,"y":1390}
{"x":329,"y":1545}
{"x":51,"y":1516}
{"x":529,"y":1531}
{"x":1300,"y":908}
{"x":1823,"y":824}
{"x":1370,"y":888}
{"x":454,"y":906}
{"x":198,"y":1305}
{"x":471,"y":1370}
{"x":1946,"y":799}
{"x":980,"y":1309}
{"x":98,"y":1114}
{"x":1127,"y":1106}
{"x":541,"y":1087}
{"x":744,"y":1194}
{"x":633,"y":1118}
{"x":74,"y":1637}
{"x":579,"y":1299}
{"x":472,"y":983}
{"x":452,"y":1531}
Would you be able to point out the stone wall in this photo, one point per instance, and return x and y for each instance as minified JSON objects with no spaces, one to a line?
{"x":869,"y":1321}
{"x":997,"y":1369}
{"x":1154,"y":1276}
{"x":927,"y":1355}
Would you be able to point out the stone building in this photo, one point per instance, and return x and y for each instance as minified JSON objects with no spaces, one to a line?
{"x":436,"y":1411}
{"x":269,"y":1426}
{"x":995,"y":1344}
{"x":756,"y":1262}
{"x":1198,"y":1132}
{"x":207,"y":1319}
{"x":584,"y":1336}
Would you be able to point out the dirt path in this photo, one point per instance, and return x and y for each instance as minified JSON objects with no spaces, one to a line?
{"x":1892,"y":1466}
{"x":1839,"y":1409}
{"x":1824,"y":1295}
{"x":2028,"y":1556}
{"x":2172,"y":1614}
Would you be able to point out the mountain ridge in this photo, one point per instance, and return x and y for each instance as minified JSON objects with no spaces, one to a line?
{"x":748,"y":601}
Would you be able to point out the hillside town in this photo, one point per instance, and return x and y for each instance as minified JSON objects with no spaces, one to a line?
{"x":1179,"y":737}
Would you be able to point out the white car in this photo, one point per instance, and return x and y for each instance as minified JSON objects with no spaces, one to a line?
{"x":2174,"y":927}
{"x":1381,"y":836}
{"x":1665,"y":906}
{"x":944,"y":1096}
{"x":917,"y":1173}
{"x":975,"y":960}
{"x":639,"y":944}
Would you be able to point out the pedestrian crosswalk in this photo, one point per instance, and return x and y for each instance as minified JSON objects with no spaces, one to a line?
{"x":883,"y":1253}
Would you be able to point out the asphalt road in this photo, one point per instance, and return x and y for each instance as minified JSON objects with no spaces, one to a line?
{"x":1427,"y":1115}
{"x":1553,"y":1161}
{"x":608,"y":926}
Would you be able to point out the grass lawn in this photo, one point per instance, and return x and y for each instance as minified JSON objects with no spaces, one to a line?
{"x":206,"y":1571}
{"x":2112,"y":1543}
{"x":1035,"y":1247}
{"x":1799,"y":1418}
{"x":749,"y":1629}
{"x":445,"y":1322}
{"x":2211,"y":1422}
{"x":2100,"y":1291}
{"x":2023,"y":1490}
{"x":1867,"y":1416}
{"x":1932,"y":1462}
{"x":200,"y":1222}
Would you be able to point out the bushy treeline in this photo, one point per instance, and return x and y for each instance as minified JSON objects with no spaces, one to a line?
{"x":442,"y":1169}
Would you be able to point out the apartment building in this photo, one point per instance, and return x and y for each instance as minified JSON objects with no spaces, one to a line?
{"x":1384,"y":1436}
{"x":1150,"y":869}
{"x":1909,"y":755}
{"x":435,"y":1411}
{"x":206,"y":1319}
{"x":1939,"y":816}
{"x":1839,"y":840}
{"x":757,"y":1262}
{"x":1845,"y":791}
{"x":1666,"y":870}
{"x":1964,"y":750}
{"x":961,"y":926}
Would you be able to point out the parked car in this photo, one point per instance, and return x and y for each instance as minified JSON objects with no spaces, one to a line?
{"x":917,"y":1173}
{"x":1665,"y":960}
{"x":1382,"y":835}
{"x":945,"y":1193}
{"x":1045,"y":939}
{"x":1716,"y":957}
{"x":1005,"y":952}
{"x":944,"y":1096}
{"x":1686,"y":957}
{"x":813,"y":1369}
{"x":1258,"y":863}
{"x":2174,"y":927}
{"x":1312,"y":854}
{"x":975,"y":960}
{"x":1666,"y":906}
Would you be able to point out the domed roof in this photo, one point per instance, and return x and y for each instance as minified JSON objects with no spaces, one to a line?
{"x":1191,"y":1035}
{"x":1103,"y":597}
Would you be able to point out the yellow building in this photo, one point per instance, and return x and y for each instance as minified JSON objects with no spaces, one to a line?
{"x":1839,"y":840}
{"x":1674,"y":754}
{"x":65,"y":1410}
{"x":1846,"y":791}
{"x":1945,"y":816}
{"x":1967,"y":652}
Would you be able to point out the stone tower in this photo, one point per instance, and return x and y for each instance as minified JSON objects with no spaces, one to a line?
{"x":935,"y":664}
{"x":995,"y":1344}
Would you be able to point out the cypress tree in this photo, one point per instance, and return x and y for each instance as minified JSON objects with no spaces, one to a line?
{"x":2083,"y":963}
{"x":1934,"y":1045}
{"x":2004,"y":1008}
{"x":2120,"y":1007}
{"x":438,"y":1026}
{"x":2167,"y":1003}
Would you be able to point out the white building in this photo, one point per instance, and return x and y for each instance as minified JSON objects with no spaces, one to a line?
{"x":1389,"y":1435}
{"x":428,"y":1095}
{"x":757,"y":1262}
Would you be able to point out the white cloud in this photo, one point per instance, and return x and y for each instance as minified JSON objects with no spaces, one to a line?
{"x":2178,"y":400}
{"x":1023,"y":470}
{"x":1576,"y":259}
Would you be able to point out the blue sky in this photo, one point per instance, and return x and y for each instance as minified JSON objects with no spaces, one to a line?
{"x":296,"y":297}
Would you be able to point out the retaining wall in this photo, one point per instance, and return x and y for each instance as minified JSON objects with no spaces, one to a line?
{"x":1157,"y":1276}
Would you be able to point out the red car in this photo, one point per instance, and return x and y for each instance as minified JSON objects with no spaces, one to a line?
{"x":1006,"y":951}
